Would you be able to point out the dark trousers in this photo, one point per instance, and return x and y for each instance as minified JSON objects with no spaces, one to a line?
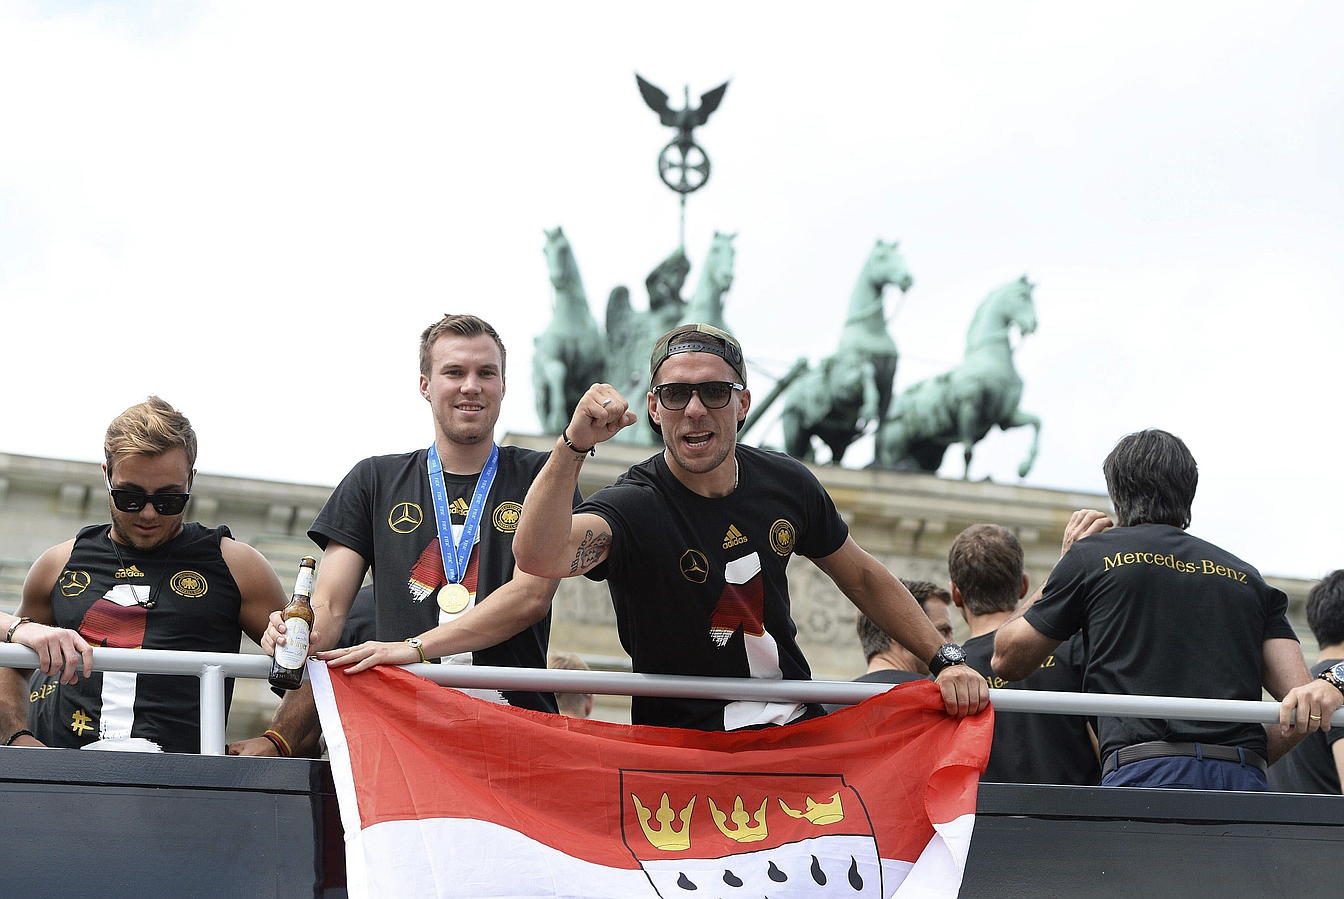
{"x":1184,"y":773}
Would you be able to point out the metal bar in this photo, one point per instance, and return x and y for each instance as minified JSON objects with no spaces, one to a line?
{"x":618,"y":683}
{"x":212,"y":710}
{"x":152,"y":661}
{"x":843,"y":692}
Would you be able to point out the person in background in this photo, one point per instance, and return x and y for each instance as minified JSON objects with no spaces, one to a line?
{"x":985,"y":565}
{"x":888,"y":661}
{"x":1317,"y":764}
{"x":574,"y":705}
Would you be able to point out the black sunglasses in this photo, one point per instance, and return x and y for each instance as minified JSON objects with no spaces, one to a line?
{"x":136,"y":500}
{"x":713,"y":394}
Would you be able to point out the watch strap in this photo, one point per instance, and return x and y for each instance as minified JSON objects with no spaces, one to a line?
{"x":948,"y":654}
{"x":419,"y":647}
{"x":1330,"y":677}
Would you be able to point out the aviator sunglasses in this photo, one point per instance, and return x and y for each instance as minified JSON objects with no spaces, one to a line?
{"x":713,"y":394}
{"x":136,"y":500}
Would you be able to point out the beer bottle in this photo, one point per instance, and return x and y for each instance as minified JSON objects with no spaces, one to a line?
{"x":287,"y":667}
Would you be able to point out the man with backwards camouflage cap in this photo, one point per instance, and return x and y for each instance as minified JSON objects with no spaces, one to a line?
{"x":694,"y":542}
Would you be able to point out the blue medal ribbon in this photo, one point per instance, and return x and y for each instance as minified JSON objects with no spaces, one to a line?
{"x":456,"y":557}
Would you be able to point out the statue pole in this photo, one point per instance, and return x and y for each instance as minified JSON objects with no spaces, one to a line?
{"x":683,"y":165}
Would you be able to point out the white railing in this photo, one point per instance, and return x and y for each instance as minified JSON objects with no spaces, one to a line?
{"x":212,"y":668}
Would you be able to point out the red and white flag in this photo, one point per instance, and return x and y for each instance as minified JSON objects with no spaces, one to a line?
{"x":445,"y":795}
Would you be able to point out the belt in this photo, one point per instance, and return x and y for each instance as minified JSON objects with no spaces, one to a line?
{"x":1160,"y":750}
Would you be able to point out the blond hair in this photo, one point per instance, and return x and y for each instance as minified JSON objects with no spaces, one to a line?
{"x":462,"y":326}
{"x":151,"y":428}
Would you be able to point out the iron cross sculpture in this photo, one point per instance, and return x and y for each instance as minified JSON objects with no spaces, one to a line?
{"x":683,"y":165}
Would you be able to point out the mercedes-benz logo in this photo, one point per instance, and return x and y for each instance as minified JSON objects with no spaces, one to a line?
{"x":694,"y":566}
{"x":74,"y":583}
{"x":405,"y":517}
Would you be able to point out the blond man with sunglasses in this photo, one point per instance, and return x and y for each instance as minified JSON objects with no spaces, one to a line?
{"x":148,"y":579}
{"x":694,"y":542}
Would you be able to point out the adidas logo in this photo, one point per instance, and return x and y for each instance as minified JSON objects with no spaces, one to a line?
{"x":734,"y":537}
{"x":459,"y":507}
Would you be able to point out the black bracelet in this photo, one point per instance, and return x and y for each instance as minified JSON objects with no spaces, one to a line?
{"x":19,"y":733}
{"x":564,"y":435}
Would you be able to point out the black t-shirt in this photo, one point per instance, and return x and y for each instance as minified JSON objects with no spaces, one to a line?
{"x":1036,"y":748}
{"x":196,"y":606}
{"x":881,"y":676}
{"x":1310,"y":766}
{"x":383,"y":510}
{"x":1164,"y":613}
{"x":699,"y":584}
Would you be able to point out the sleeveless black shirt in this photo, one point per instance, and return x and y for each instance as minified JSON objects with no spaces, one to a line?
{"x":195,"y":607}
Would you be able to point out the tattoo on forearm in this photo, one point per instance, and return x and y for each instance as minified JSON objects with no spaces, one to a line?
{"x":591,"y":549}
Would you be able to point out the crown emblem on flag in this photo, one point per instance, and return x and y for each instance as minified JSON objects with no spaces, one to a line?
{"x":742,"y":831}
{"x":817,"y":813}
{"x":665,"y":836}
{"x":806,"y":848}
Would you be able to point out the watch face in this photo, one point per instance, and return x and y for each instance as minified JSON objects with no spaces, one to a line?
{"x":953,"y":653}
{"x":1338,"y":670}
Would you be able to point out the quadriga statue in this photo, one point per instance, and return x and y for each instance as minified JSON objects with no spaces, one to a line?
{"x":961,"y":405}
{"x":568,"y":357}
{"x":850,"y":390}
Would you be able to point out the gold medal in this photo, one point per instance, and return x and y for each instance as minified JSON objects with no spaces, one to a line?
{"x":453,"y":598}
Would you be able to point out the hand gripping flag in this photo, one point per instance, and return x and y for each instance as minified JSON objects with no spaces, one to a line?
{"x":445,"y":795}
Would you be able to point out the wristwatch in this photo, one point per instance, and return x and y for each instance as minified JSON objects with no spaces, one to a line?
{"x":419,"y":647}
{"x":1334,"y":676}
{"x":948,"y":654}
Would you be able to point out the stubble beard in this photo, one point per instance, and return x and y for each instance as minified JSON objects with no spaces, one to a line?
{"x":127,"y":537}
{"x":702,"y":465}
{"x":465,"y":434}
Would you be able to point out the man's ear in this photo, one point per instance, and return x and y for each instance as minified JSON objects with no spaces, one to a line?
{"x":651,"y":401}
{"x":957,"y":599}
{"x":1026,"y":583}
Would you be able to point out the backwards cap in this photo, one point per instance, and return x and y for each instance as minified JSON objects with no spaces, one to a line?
{"x":697,"y":338}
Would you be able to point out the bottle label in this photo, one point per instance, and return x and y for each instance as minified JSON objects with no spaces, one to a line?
{"x":303,"y":584}
{"x":295,"y":649}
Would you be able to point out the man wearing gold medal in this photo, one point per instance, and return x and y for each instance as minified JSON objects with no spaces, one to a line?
{"x":431,"y":581}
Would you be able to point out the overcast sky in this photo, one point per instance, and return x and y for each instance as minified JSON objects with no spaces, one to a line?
{"x":253,"y":208}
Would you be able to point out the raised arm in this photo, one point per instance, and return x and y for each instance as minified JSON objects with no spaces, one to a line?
{"x":1019,"y":648}
{"x":879,"y":595}
{"x":551,"y":541}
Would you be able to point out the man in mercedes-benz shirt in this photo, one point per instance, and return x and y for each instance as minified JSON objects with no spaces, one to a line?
{"x":1168,"y":614}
